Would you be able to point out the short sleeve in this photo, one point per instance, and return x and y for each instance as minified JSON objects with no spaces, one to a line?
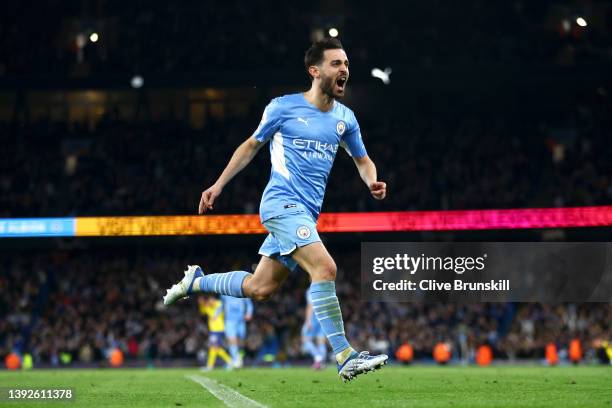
{"x":352,"y":141}
{"x":270,"y":121}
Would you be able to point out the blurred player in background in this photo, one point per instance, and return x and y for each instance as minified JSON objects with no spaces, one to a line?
{"x":311,"y":332}
{"x":212,"y":308}
{"x":238,"y":311}
{"x":305,"y":131}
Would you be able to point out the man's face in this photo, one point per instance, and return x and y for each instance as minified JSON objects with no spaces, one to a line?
{"x":334,"y":73}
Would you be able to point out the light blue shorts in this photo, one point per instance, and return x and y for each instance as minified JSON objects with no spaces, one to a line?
{"x":288,"y":232}
{"x":315,"y":330}
{"x":235,"y":328}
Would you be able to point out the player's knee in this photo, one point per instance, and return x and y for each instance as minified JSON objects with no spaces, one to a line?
{"x":326,"y":271}
{"x":263,"y":293}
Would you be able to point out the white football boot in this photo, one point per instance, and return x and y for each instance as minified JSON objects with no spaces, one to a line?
{"x":185,"y":287}
{"x":360,"y":363}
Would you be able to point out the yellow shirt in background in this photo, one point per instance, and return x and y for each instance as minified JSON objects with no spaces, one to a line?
{"x":214,"y":313}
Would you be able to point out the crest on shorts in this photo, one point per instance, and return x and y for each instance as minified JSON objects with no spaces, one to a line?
{"x":340,"y":127}
{"x":303,"y":232}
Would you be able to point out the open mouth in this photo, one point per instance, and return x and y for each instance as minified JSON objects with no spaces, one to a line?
{"x":341,"y":83}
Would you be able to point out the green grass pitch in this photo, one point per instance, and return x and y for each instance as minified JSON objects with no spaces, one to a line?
{"x":393,"y":386}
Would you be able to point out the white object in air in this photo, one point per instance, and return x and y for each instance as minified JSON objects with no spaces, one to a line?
{"x":382,"y":75}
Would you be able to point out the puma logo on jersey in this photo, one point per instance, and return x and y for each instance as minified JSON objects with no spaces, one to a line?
{"x":303,"y":120}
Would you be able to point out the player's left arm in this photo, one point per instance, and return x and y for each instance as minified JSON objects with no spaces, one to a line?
{"x":367,"y":171}
{"x":353,"y":144}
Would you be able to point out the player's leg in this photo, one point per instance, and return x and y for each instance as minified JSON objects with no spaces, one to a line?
{"x":231,"y":328}
{"x":319,"y":264}
{"x":223,"y":354}
{"x":213,"y":353}
{"x":315,"y":260}
{"x":194,"y":281}
{"x":321,"y":349}
{"x":268,"y":277}
{"x":310,"y":332}
{"x":241,"y":336}
{"x":308,"y":345}
{"x":214,"y":342}
{"x":212,"y":357}
{"x":232,"y":345}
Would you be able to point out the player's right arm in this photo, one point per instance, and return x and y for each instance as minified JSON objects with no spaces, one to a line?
{"x":270,"y":122}
{"x":241,"y":157}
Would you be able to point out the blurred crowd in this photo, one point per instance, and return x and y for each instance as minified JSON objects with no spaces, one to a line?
{"x":430,"y":161}
{"x":161,"y":38}
{"x":76,"y":305}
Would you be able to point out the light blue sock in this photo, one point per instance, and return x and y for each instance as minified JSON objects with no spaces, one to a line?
{"x":229,"y":283}
{"x":310,"y":348}
{"x":327,"y":309}
{"x":234,"y":352}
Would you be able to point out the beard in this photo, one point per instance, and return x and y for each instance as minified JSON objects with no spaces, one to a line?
{"x":327,"y":87}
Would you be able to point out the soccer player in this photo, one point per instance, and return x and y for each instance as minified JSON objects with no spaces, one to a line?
{"x":305,"y":131}
{"x":312,"y":330}
{"x":238,"y":311}
{"x":212,"y":308}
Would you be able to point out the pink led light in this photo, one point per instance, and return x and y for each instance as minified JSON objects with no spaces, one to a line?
{"x":573,"y":217}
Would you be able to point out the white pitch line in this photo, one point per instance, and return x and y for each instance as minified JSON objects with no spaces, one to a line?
{"x":228,"y":396}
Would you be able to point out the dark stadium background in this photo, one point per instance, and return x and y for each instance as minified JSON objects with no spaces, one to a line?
{"x":491,"y":105}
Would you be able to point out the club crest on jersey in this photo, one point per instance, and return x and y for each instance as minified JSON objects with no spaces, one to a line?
{"x":340,"y":128}
{"x":303,"y":232}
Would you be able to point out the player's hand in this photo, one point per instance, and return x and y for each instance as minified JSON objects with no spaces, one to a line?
{"x":248,"y":318}
{"x":378,"y":189}
{"x":208,"y":198}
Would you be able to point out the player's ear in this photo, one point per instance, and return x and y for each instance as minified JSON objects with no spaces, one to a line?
{"x":314,"y":72}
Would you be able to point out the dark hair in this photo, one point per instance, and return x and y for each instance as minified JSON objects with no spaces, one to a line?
{"x":314,"y":55}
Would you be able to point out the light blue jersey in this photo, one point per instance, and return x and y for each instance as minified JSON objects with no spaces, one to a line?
{"x":236,"y":309}
{"x":303,"y":145}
